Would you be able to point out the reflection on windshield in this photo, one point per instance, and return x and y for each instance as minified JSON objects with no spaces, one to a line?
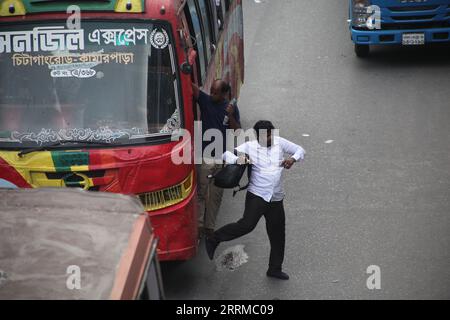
{"x":119,"y":83}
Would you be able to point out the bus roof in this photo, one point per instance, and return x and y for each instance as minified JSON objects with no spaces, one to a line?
{"x":46,"y":234}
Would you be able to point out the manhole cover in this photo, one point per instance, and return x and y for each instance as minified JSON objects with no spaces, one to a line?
{"x":232,"y":258}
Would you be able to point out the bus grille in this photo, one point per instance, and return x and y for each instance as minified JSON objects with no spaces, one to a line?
{"x":167,"y":197}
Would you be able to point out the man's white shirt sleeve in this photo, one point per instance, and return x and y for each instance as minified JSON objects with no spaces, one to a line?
{"x":231,"y":158}
{"x":293,"y":149}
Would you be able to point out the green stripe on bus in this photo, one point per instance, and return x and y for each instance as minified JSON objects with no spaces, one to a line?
{"x":40,"y":6}
{"x":63,"y":161}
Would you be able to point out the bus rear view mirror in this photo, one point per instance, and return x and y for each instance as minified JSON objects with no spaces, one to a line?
{"x":186,"y":67}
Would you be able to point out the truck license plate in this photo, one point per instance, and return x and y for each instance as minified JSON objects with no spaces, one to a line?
{"x":413,"y":39}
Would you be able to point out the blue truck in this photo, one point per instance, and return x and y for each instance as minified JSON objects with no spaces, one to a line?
{"x":401,"y":22}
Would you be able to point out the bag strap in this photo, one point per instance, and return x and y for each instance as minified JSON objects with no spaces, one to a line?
{"x":249,"y":174}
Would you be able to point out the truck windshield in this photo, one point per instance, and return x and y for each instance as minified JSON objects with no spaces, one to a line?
{"x":107,"y":81}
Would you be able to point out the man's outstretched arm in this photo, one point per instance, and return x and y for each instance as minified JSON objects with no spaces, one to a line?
{"x":231,"y":158}
{"x":195,"y":90}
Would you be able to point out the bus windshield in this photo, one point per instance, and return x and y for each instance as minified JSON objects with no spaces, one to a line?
{"x":107,"y":81}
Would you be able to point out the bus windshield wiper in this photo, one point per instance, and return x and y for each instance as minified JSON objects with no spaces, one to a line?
{"x":61,"y":143}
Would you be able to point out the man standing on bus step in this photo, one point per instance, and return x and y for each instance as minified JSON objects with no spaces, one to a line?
{"x":265,"y":193}
{"x":216,"y":113}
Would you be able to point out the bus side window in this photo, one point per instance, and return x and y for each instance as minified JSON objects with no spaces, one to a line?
{"x":190,"y":42}
{"x":205,"y":14}
{"x":214,"y":7}
{"x":196,"y":32}
{"x":220,"y":14}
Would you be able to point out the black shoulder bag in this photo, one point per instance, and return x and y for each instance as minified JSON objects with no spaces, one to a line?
{"x":229,"y":177}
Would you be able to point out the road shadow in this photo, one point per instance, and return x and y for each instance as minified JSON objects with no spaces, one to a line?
{"x":430,"y":55}
{"x":178,"y":279}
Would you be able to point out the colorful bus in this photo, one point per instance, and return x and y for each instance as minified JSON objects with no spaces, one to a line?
{"x":94,"y":94}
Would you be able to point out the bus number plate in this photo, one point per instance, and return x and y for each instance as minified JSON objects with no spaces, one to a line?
{"x":413,"y":39}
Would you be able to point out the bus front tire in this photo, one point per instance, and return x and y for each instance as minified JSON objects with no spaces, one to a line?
{"x":362,"y":50}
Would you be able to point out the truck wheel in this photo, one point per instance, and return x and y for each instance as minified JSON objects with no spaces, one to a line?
{"x":362,"y":50}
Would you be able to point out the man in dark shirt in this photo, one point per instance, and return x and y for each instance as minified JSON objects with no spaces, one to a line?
{"x":216,"y":113}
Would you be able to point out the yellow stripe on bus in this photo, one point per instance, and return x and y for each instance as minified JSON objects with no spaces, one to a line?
{"x":36,"y":161}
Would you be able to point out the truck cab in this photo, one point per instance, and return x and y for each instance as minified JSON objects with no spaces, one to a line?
{"x":398,"y":22}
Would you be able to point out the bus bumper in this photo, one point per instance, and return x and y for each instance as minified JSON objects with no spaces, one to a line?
{"x":177,"y":230}
{"x":380,"y":37}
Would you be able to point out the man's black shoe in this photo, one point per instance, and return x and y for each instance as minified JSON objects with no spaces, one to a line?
{"x":277,"y":274}
{"x":211,"y":246}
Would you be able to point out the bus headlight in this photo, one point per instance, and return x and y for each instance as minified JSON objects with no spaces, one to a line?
{"x":167,"y":197}
{"x":360,"y":13}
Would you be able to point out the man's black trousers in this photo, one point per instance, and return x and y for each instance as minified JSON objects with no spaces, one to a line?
{"x":255,"y":208}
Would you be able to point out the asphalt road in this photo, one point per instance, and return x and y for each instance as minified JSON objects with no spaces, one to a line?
{"x":378,"y":193}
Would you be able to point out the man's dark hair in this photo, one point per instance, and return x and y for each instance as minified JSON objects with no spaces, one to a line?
{"x":263,"y":125}
{"x":224,"y":86}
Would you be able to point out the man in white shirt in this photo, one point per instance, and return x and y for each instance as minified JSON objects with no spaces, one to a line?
{"x":264,"y":195}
